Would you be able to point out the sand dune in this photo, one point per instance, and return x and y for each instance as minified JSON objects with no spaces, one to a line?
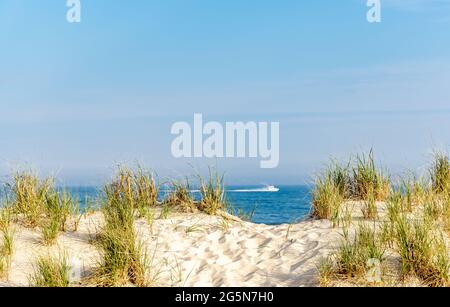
{"x":197,"y":250}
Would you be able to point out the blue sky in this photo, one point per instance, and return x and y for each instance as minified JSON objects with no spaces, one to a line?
{"x":77,"y":98}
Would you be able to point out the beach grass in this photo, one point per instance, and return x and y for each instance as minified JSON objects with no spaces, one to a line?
{"x":357,"y":180}
{"x":35,"y":202}
{"x":369,"y":206}
{"x":339,"y":176}
{"x":446,"y":216}
{"x":50,"y":231}
{"x":123,"y":257}
{"x":327,"y":196}
{"x":135,"y":188}
{"x":413,"y":192}
{"x":51,"y":272}
{"x":146,"y":188}
{"x":440,"y":173}
{"x":7,"y":233}
{"x":60,"y":208}
{"x":7,"y":247}
{"x":29,"y":195}
{"x":165,"y":211}
{"x":212,"y":192}
{"x":180,"y":197}
{"x":326,"y":271}
{"x":423,"y":253}
{"x":367,"y":179}
{"x":394,"y":207}
{"x":117,"y":209}
{"x":353,"y":255}
{"x":434,"y":206}
{"x":3,"y":266}
{"x":414,"y":225}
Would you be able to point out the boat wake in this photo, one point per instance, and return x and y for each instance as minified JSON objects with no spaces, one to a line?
{"x":269,"y":188}
{"x":266,"y":189}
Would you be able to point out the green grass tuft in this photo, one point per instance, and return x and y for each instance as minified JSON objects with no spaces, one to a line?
{"x":51,"y":272}
{"x":29,"y":195}
{"x":422,"y":254}
{"x":353,"y":255}
{"x":327,"y":197}
{"x":367,"y":178}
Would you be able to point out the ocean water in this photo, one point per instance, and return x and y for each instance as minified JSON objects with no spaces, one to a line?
{"x":288,"y":205}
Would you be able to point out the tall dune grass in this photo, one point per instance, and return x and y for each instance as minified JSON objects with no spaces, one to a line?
{"x":360,"y":180}
{"x":327,"y":199}
{"x":123,"y":257}
{"x":29,"y":196}
{"x":60,"y":209}
{"x":136,"y":188}
{"x":367,"y":178}
{"x":440,"y":173}
{"x":339,"y":175}
{"x":122,"y":260}
{"x":416,"y":212}
{"x":37,"y":203}
{"x":63,"y":208}
{"x":117,"y":209}
{"x":352,"y":256}
{"x":212,"y":193}
{"x":6,"y":241}
{"x":330,"y":190}
{"x":422,"y":251}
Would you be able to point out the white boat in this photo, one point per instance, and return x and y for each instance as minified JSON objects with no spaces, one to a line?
{"x":267,"y":188}
{"x":271,"y":188}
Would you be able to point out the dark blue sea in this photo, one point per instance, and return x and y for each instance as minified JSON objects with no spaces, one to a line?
{"x":288,"y":205}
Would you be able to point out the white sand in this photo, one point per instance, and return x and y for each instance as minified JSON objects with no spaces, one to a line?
{"x":198,"y":250}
